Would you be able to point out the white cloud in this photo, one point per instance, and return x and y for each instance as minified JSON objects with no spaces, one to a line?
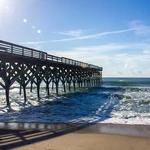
{"x":114,"y":61}
{"x":91,"y":36}
{"x":94,"y":36}
{"x":140,"y":27}
{"x":135,"y":26}
{"x":146,"y":51}
{"x":73,"y":33}
{"x":111,"y":47}
{"x":34,"y":43}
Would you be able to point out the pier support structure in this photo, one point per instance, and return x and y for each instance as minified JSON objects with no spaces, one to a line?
{"x":27,"y":66}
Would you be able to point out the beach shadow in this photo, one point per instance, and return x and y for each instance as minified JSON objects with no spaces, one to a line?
{"x":10,"y":138}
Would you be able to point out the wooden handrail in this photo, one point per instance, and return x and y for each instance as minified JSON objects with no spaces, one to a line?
{"x":30,"y":52}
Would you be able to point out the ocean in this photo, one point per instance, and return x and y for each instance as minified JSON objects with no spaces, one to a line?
{"x":119,"y":100}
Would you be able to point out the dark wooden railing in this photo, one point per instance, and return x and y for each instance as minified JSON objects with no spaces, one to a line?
{"x":11,"y":48}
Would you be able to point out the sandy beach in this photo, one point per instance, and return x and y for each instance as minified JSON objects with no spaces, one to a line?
{"x":83,"y":139}
{"x":76,"y":141}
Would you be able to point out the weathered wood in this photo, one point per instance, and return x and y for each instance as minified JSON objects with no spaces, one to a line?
{"x":31,"y":86}
{"x":74,"y":85}
{"x":20,"y":89}
{"x":38,"y":90}
{"x":64,"y":86}
{"x":47,"y":88}
{"x":52,"y":85}
{"x":7,"y":96}
{"x":69,"y":86}
{"x":56,"y":83}
{"x":24,"y":92}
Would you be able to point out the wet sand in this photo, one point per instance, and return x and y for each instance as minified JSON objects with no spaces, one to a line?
{"x":96,"y":137}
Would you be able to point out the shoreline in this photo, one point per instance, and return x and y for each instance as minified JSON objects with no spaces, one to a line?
{"x":99,"y":136}
{"x":136,"y":130}
{"x":139,"y":130}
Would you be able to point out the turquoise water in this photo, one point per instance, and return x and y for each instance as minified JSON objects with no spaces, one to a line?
{"x":119,"y":100}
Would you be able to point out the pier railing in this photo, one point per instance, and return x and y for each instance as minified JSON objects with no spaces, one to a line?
{"x":15,"y":49}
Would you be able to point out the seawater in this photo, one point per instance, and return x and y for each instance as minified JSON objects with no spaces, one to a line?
{"x":119,"y":100}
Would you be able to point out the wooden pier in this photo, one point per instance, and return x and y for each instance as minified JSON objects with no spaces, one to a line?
{"x":28,"y":66}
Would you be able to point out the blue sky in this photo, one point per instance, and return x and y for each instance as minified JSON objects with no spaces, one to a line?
{"x":114,"y":34}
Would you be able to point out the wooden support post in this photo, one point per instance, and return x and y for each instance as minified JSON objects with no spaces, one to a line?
{"x":20,"y":89}
{"x":52,"y":85}
{"x":98,"y":84}
{"x":84,"y":83}
{"x":79,"y":84}
{"x":56,"y":83}
{"x":95,"y":85}
{"x":31,"y":87}
{"x":69,"y":86}
{"x":92,"y":82}
{"x":7,"y":96}
{"x":24,"y":92}
{"x":88,"y":84}
{"x":38,"y":90}
{"x":47,"y":88}
{"x":64,"y":86}
{"x":74,"y":85}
